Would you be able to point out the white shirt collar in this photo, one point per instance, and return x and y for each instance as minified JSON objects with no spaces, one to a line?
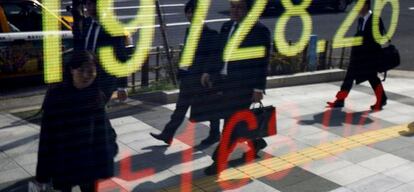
{"x":367,"y":15}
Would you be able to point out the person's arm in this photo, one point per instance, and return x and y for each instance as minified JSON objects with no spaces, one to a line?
{"x":260,"y":68}
{"x":45,"y":149}
{"x":264,"y":39}
{"x":123,"y":48}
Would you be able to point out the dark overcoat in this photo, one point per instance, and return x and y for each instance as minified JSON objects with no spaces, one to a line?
{"x":77,"y":143}
{"x":366,"y":57}
{"x":244,"y":76}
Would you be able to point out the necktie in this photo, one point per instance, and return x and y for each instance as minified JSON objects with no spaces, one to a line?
{"x":224,"y":70}
{"x":233,"y":29}
{"x":360,"y":24}
{"x":91,"y":37}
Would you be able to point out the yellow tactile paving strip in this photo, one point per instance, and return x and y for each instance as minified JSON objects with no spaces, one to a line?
{"x":276,"y":164}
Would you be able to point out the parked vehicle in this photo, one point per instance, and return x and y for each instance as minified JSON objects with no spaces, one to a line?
{"x":21,"y":38}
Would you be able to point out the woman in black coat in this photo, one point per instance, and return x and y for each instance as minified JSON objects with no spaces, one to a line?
{"x":77,"y":143}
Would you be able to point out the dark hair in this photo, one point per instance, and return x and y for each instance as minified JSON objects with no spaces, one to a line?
{"x":93,"y":1}
{"x":78,"y":59}
{"x":368,"y":3}
{"x":249,"y":4}
{"x":190,"y":5}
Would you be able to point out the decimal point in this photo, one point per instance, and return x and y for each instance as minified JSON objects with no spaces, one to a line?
{"x":321,"y":46}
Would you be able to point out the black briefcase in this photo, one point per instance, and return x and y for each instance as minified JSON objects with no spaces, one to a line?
{"x":390,"y":58}
{"x":207,"y":106}
{"x":266,"y":122}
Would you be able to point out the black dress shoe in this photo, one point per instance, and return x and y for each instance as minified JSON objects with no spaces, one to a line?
{"x":378,"y":107}
{"x":259,"y":146}
{"x":210,"y":140}
{"x":336,"y":104}
{"x":211,"y":170}
{"x":256,"y":155}
{"x":161,"y":137}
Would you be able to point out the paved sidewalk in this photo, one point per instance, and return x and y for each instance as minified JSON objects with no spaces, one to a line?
{"x":316,"y":149}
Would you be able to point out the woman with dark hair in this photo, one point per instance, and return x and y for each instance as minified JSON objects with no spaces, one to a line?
{"x":77,"y":142}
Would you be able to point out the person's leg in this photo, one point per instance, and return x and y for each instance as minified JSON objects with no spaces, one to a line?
{"x":88,"y":187}
{"x":344,"y":92}
{"x":379,"y":91}
{"x":177,"y":118}
{"x":214,"y":134}
{"x":63,"y":187}
{"x":226,"y":145}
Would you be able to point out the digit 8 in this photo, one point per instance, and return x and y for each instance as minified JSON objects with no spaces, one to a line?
{"x":292,"y":10}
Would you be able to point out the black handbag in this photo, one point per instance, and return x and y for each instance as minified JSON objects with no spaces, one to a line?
{"x":206,"y":107}
{"x":390,"y":59}
{"x":266,"y":122}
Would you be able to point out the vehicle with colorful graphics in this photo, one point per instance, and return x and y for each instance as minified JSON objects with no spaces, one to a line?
{"x":21,"y":38}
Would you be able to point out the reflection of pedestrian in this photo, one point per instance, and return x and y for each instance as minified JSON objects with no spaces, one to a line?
{"x":94,"y":36}
{"x":364,"y":59}
{"x":77,"y":143}
{"x":194,"y":81}
{"x":242,"y":81}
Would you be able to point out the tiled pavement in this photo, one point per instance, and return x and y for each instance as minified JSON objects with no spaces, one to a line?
{"x":316,"y":149}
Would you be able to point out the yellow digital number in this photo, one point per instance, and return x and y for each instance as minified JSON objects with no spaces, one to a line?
{"x":232,"y":51}
{"x":52,"y":42}
{"x":339,"y":39}
{"x":144,"y":20}
{"x":379,"y":6}
{"x":292,"y":10}
{"x":194,"y":35}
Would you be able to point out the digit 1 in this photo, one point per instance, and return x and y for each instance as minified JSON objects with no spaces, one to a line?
{"x":52,"y":42}
{"x":200,"y":14}
{"x":114,"y":27}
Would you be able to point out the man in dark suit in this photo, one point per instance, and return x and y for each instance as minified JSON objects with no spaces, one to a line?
{"x":364,"y":59}
{"x":94,"y":36}
{"x":194,"y":81}
{"x":243,"y":81}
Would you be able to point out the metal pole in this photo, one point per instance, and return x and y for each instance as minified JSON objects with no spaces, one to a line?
{"x":166,"y":45}
{"x":145,"y":74}
{"x":133,"y":81}
{"x":157,"y":65}
{"x":77,"y":14}
{"x":341,"y":62}
{"x":330,"y":56}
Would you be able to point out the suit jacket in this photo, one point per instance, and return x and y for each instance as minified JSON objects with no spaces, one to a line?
{"x":205,"y":61}
{"x":365,"y":58}
{"x":248,"y":74}
{"x":244,"y":76}
{"x":107,"y":82}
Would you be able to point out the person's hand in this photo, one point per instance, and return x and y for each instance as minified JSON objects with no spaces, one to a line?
{"x":205,"y":80}
{"x":122,"y":95}
{"x":257,"y":96}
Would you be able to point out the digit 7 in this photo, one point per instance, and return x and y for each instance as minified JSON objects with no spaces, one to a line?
{"x":200,"y":14}
{"x":114,"y":27}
